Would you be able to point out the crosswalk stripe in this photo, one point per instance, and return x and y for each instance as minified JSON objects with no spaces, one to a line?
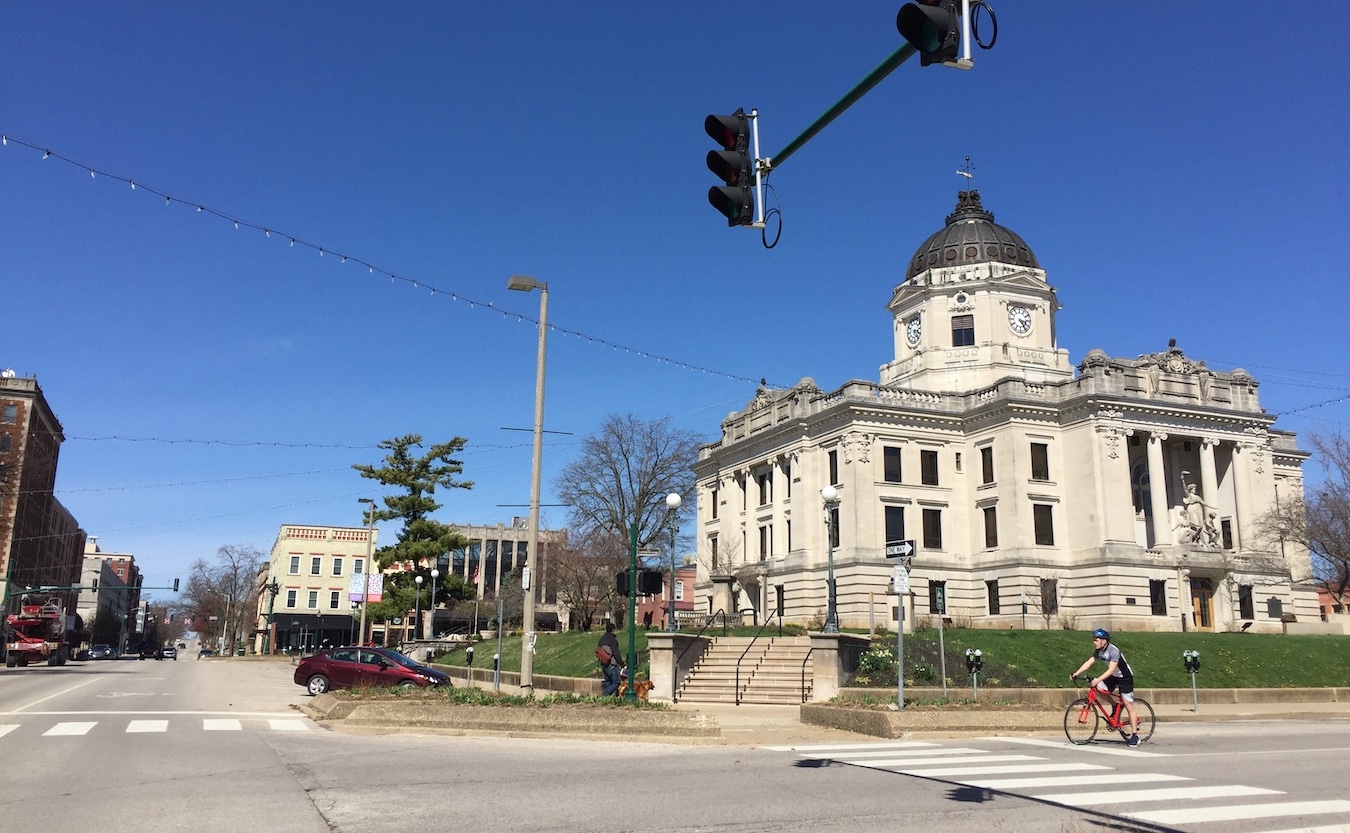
{"x":1156,"y":794}
{"x":870,"y":753}
{"x":962,"y":771}
{"x":70,"y":728}
{"x":1325,"y":828}
{"x":1113,"y":749}
{"x":1240,"y":812}
{"x":220,"y":725}
{"x":1072,"y":780}
{"x":7,"y":728}
{"x":288,"y":725}
{"x":921,"y":762}
{"x":839,"y":747}
{"x":147,"y":726}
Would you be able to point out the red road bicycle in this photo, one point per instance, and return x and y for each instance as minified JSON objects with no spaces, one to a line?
{"x":1084,"y":715}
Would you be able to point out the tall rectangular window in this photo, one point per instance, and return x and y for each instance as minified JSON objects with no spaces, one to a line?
{"x":928,"y":467}
{"x":714,"y":504}
{"x":1226,"y":532}
{"x":834,"y":467}
{"x":990,"y":527}
{"x":937,"y":597}
{"x":895,"y":524}
{"x":963,"y":330}
{"x":890,"y":464}
{"x":334,"y":599}
{"x":358,"y":566}
{"x":712,"y":551}
{"x":991,"y":588}
{"x":315,"y":566}
{"x":1040,"y":461}
{"x":765,"y":542}
{"x":295,"y":565}
{"x":313,"y":600}
{"x":1049,"y":596}
{"x":765,"y":482}
{"x":1157,"y":596}
{"x":787,"y":528}
{"x":290,"y":598}
{"x":834,"y":526}
{"x":1043,"y":515}
{"x":787,"y":479}
{"x":932,"y":529}
{"x":679,"y":590}
{"x":987,"y":464}
{"x":337,"y":565}
{"x":11,"y":414}
{"x":1246,"y":608}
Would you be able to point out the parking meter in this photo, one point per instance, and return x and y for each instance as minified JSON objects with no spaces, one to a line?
{"x":975,"y":664}
{"x":468,"y":656}
{"x":496,"y":662}
{"x":1191,"y":659}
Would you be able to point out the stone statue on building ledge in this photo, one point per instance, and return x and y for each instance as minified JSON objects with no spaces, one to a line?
{"x":1197,"y":520}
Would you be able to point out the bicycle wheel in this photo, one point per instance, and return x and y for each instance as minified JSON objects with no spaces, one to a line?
{"x":1080,"y":721}
{"x":1146,"y":720}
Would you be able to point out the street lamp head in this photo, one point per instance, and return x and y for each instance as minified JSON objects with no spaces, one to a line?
{"x":435,"y":573}
{"x":829,"y":493}
{"x":418,"y":580}
{"x":525,"y":283}
{"x":672,"y":501}
{"x":371,"y":501}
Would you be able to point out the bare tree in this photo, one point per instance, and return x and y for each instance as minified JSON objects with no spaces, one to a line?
{"x":624,"y":473}
{"x":223,"y":593}
{"x":583,"y":568}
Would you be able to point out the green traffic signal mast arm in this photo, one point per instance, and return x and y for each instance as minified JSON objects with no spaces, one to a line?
{"x":898,"y":57}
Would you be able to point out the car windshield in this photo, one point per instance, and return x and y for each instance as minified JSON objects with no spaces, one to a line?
{"x":395,"y":656}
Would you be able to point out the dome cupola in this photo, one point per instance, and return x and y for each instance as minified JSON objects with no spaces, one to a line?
{"x":971,"y":236}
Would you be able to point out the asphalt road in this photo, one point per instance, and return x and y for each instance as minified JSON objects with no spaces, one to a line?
{"x":213,"y":745}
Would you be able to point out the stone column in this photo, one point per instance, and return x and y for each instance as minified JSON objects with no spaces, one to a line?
{"x":1209,"y":479}
{"x":672,"y":656}
{"x":1157,"y":492}
{"x":834,"y":658}
{"x":1242,"y":483}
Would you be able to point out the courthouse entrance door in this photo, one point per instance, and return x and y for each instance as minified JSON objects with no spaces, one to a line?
{"x":1202,"y":603}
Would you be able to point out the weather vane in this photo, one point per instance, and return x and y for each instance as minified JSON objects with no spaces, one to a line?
{"x":966,"y":169}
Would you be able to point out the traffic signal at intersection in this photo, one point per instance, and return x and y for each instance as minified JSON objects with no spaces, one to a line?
{"x":734,"y":165}
{"x":933,"y":28}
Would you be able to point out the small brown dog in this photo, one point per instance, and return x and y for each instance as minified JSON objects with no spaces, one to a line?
{"x":643,"y":688}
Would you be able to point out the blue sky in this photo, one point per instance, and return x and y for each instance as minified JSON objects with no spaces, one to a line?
{"x":1196,"y":190}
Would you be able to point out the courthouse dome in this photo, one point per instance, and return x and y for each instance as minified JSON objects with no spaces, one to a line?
{"x":971,"y":236}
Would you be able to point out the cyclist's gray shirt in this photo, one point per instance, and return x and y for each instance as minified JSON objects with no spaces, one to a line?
{"x":1111,"y":654}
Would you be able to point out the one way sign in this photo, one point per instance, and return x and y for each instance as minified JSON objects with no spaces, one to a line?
{"x":900,"y":549}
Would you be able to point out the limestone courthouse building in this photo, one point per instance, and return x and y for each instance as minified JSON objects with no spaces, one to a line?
{"x":1124,"y":493}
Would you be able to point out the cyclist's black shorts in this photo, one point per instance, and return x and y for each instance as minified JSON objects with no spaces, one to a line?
{"x":1125,"y":685}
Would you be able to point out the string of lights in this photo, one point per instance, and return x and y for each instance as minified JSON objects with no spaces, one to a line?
{"x":185,"y":482}
{"x":371,"y":268}
{"x":468,"y":449}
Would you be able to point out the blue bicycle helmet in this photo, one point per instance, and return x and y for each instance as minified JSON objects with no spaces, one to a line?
{"x":1101,"y":634}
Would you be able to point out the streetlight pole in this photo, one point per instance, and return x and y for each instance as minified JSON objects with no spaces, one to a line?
{"x":365,"y":574}
{"x":431,"y":616}
{"x":673,"y":505}
{"x":831,"y":497}
{"x":273,"y":589}
{"x":521,"y":283}
{"x":417,"y":610}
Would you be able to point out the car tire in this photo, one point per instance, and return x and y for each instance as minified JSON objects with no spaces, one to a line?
{"x":318,"y":684}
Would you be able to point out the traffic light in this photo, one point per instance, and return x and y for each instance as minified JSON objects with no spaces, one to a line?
{"x":175,"y":585}
{"x":733,"y":165}
{"x":621,"y":583}
{"x":650,"y":582}
{"x":932,"y":27}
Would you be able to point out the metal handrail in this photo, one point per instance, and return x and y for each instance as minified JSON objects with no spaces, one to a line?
{"x":675,"y":689}
{"x":767,"y":622}
{"x":804,"y":660}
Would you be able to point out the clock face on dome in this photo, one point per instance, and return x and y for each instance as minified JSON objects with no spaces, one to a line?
{"x":1019,"y":319}
{"x":913,"y":331}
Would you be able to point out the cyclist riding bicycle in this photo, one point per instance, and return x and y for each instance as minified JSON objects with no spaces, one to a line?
{"x":1117,"y":678}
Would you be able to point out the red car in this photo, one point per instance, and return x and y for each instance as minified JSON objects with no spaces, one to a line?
{"x":355,"y":666}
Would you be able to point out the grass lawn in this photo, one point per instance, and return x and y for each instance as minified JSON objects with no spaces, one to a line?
{"x":1015,"y":658}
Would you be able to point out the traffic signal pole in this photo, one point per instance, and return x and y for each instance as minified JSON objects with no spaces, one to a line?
{"x":898,"y":57}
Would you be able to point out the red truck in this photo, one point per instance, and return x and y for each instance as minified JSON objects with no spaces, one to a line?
{"x":37,"y":632}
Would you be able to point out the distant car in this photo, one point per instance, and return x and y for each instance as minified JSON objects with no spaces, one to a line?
{"x":204,"y":653}
{"x":169,"y":652}
{"x":355,"y":666}
{"x":182,"y":646}
{"x":102,"y":651}
{"x":149,"y":651}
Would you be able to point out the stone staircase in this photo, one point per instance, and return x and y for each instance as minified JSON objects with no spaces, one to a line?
{"x":771,"y":671}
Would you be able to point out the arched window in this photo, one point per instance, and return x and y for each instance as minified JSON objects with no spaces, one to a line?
{"x":1139,"y":490}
